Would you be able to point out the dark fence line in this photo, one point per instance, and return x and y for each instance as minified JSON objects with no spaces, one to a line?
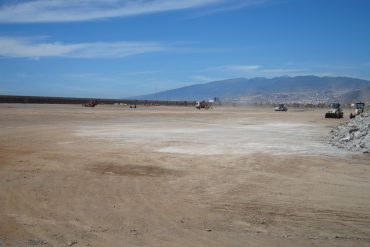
{"x":67,"y":100}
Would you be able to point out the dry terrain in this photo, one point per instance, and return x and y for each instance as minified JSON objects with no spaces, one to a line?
{"x":176,"y":176}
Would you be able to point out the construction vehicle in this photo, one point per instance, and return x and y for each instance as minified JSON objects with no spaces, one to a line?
{"x":133,"y":106}
{"x":281,"y":107}
{"x":335,"y":111}
{"x":359,"y":108}
{"x":91,"y":103}
{"x":203,"y":105}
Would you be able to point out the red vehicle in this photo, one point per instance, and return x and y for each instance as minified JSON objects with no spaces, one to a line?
{"x":91,"y":103}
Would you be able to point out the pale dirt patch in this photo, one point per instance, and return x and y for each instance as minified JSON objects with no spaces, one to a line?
{"x":221,"y":137}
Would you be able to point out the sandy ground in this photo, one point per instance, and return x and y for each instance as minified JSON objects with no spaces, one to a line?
{"x":172,"y":176}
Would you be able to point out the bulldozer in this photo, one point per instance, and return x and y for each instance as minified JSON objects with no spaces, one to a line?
{"x":335,"y":111}
{"x":359,"y":108}
{"x":281,"y":107}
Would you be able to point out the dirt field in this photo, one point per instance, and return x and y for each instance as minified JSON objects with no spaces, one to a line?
{"x":173,"y":176}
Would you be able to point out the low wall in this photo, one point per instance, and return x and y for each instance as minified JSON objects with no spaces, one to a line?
{"x":66,"y":100}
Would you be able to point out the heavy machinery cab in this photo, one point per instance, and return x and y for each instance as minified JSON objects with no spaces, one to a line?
{"x":335,"y":106}
{"x":359,"y":108}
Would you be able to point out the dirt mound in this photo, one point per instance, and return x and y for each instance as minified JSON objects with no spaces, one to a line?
{"x":354,"y":135}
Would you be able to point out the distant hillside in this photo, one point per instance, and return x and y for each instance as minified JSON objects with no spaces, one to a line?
{"x":357,"y":95}
{"x":243,"y":88}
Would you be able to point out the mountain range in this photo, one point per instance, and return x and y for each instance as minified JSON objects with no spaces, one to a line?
{"x":308,"y":89}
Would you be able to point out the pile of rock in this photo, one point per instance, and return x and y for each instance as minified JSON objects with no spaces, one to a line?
{"x":354,"y":135}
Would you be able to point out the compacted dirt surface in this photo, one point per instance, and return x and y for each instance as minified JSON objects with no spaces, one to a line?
{"x":177,"y":176}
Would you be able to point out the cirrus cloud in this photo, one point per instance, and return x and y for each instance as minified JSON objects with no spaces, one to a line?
{"x":27,"y":48}
{"x":37,"y":11}
{"x":84,"y":10}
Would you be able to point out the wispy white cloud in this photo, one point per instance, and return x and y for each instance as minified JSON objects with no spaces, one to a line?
{"x":337,"y":67}
{"x":83,"y":10}
{"x":202,"y":78}
{"x":235,"y":68}
{"x":256,"y":70}
{"x":242,"y":68}
{"x":284,"y":71}
{"x":229,"y":6}
{"x":28,"y":48}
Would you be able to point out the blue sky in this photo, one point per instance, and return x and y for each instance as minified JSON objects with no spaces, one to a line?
{"x":123,"y":48}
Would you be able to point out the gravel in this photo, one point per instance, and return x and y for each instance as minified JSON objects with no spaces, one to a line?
{"x":354,"y":135}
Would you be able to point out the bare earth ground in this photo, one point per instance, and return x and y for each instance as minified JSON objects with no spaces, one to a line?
{"x":172,"y":176}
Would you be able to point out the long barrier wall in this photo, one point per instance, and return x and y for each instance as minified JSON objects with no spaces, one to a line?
{"x":64,"y":100}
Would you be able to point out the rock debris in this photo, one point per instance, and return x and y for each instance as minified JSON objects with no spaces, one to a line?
{"x":354,"y":135}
